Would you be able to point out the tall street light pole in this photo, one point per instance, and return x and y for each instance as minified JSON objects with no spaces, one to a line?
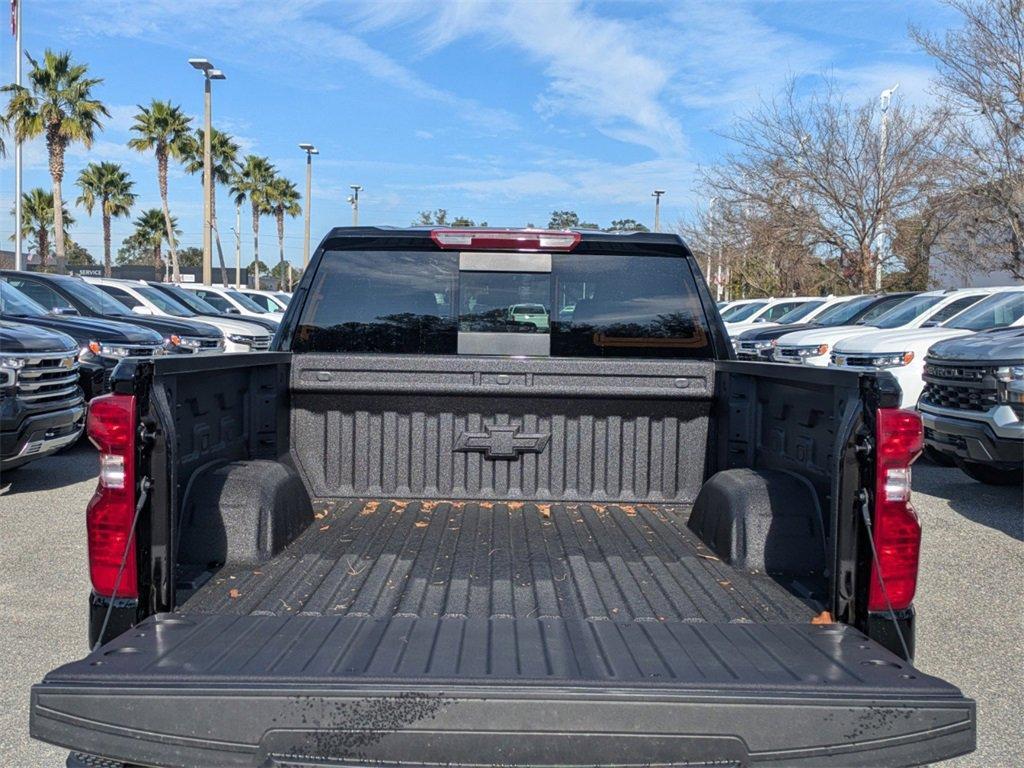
{"x":656,"y":194}
{"x":354,"y":200}
{"x":310,"y":151}
{"x":19,"y":262}
{"x":880,"y":239}
{"x":209,"y":74}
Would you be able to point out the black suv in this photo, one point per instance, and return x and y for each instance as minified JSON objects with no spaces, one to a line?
{"x":41,"y":405}
{"x":65,"y":294}
{"x":101,"y":343}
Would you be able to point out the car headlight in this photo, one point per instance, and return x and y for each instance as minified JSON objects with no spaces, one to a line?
{"x":760,"y":345}
{"x":190,"y":343}
{"x":12,"y":363}
{"x":887,"y":360}
{"x":238,"y":338}
{"x":813,"y":351}
{"x":105,"y":350}
{"x":1011,"y":384}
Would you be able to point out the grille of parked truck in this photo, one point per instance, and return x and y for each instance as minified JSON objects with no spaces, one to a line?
{"x":432,"y":527}
{"x":41,"y":405}
{"x":972,"y":404}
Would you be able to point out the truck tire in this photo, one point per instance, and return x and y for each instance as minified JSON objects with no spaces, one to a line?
{"x":986,"y":473}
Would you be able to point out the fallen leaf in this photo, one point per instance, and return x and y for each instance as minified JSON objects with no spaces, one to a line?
{"x":545,"y":510}
{"x":421,"y":524}
{"x":823,"y":618}
{"x":234,"y":593}
{"x":324,"y":527}
{"x":370,"y":507}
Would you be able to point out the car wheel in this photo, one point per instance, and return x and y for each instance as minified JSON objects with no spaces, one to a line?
{"x":985,"y":473}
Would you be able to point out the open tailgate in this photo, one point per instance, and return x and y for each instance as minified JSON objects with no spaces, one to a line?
{"x":264,"y":691}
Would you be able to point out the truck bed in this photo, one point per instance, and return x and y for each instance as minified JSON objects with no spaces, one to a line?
{"x":489,"y":633}
{"x":490,"y":560}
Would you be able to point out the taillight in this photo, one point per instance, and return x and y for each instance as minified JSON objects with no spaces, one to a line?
{"x":897,"y":531}
{"x":505,"y":239}
{"x":108,"y":518}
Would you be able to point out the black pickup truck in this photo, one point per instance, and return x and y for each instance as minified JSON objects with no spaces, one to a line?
{"x":41,"y":405}
{"x":423,"y":532}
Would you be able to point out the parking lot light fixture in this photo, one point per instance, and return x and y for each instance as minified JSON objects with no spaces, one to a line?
{"x":310,"y":150}
{"x":209,"y":73}
{"x":656,"y":194}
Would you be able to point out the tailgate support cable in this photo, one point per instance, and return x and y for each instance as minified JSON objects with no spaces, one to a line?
{"x":144,"y":485}
{"x":866,"y":515}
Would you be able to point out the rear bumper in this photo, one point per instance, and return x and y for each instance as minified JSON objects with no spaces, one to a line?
{"x":189,"y":689}
{"x":40,"y":435}
{"x":971,"y":440}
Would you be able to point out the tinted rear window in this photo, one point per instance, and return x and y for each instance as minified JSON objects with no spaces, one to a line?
{"x":418,"y":302}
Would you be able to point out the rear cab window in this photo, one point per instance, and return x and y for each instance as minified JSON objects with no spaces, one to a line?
{"x":570,"y":305}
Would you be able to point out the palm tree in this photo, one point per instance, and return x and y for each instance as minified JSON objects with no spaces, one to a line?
{"x":223,"y":157}
{"x":57,"y":104}
{"x":283,"y":199}
{"x":108,"y":184}
{"x":37,"y":219}
{"x":162,"y":127}
{"x":251,"y":181}
{"x":151,"y":231}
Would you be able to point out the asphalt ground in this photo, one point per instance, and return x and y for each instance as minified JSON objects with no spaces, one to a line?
{"x":970,"y":619}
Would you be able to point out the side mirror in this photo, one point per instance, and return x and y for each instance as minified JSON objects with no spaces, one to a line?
{"x":930,"y":324}
{"x":233,"y":311}
{"x":65,"y":311}
{"x":141,"y":310}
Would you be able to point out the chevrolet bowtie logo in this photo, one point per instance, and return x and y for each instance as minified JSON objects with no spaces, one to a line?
{"x":501,"y":442}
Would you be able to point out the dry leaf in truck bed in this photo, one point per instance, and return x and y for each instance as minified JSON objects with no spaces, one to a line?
{"x":421,"y":524}
{"x":234,"y":594}
{"x":545,"y":510}
{"x":370,"y":507}
{"x":823,"y":618}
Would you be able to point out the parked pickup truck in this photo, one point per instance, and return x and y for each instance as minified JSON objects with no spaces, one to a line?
{"x":41,"y":405}
{"x":973,"y":404}
{"x":419,"y":532}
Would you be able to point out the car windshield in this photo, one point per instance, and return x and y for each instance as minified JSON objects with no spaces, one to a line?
{"x":188,"y":299}
{"x":94,"y":299}
{"x":246,"y":302}
{"x":163,"y":302}
{"x":799,"y":313}
{"x":997,"y":311}
{"x":14,"y":303}
{"x":743,"y":311}
{"x":906,"y":312}
{"x":841,"y":314}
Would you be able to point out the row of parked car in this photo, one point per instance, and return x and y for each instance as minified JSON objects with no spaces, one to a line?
{"x":958,"y":356}
{"x":61,"y":336}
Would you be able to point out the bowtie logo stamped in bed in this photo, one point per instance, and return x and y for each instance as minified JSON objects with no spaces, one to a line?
{"x":501,"y":442}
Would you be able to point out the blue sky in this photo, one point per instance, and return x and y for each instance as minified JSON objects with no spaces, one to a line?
{"x":496,"y":111}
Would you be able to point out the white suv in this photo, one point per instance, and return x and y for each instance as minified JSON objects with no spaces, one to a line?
{"x":230,"y":300}
{"x":814,"y":346}
{"x":902,"y":353}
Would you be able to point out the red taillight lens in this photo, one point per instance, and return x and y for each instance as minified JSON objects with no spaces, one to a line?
{"x":505,"y":239}
{"x":108,"y":518}
{"x":897,"y":531}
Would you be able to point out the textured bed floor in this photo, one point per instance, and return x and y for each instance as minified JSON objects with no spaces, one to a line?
{"x":384,"y":558}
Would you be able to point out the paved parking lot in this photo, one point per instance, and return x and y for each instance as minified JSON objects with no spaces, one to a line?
{"x":970,"y":617}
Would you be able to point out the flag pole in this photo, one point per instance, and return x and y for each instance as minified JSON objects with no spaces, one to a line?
{"x":19,"y":261}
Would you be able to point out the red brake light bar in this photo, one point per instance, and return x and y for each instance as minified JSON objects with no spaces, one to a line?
{"x":505,"y":239}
